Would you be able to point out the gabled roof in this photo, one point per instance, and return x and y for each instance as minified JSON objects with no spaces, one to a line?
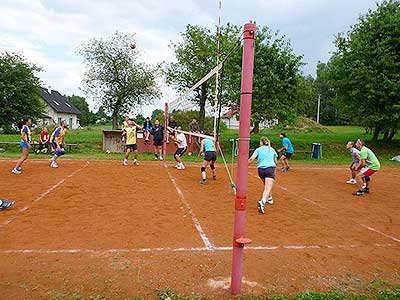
{"x":58,"y":102}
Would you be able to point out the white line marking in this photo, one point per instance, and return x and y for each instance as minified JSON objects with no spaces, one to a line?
{"x":192,"y":249}
{"x":42,"y":195}
{"x":379,"y":232}
{"x":196,"y":221}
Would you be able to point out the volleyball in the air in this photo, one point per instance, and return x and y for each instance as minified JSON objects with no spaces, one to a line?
{"x":132,"y":45}
{"x":190,"y":153}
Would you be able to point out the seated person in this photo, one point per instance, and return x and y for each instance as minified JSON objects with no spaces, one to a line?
{"x":44,"y":141}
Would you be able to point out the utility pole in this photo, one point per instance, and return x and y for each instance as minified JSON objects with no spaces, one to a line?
{"x":318,"y":107}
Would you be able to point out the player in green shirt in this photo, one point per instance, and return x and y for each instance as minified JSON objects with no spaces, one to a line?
{"x":368,"y":166}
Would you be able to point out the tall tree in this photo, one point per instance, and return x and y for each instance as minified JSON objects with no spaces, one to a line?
{"x":80,"y":103}
{"x":306,"y":97}
{"x":115,"y":78}
{"x":365,"y":70}
{"x":19,"y":92}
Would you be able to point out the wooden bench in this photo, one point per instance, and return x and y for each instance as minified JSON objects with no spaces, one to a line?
{"x":34,"y":144}
{"x":306,"y":152}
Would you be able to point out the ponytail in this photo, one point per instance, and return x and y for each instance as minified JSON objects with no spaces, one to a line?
{"x":22,"y":122}
{"x":265,"y":141}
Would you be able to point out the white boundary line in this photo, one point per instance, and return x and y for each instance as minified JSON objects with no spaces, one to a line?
{"x":315,"y":203}
{"x":196,"y":221}
{"x":191,"y":249}
{"x":41,"y":196}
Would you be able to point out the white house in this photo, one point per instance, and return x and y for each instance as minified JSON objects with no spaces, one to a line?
{"x":57,"y":108}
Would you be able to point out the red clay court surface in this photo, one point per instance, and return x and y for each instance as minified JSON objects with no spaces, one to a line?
{"x":98,"y":228}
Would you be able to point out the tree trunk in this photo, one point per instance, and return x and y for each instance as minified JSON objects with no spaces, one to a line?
{"x":391,"y":135}
{"x":256,"y":128}
{"x":376,"y":133}
{"x":114,"y":121}
{"x":202,"y":112}
{"x":386,"y":135}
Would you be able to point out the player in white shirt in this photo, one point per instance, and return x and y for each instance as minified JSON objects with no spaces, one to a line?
{"x":181,"y":143}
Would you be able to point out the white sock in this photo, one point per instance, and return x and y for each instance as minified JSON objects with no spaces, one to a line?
{"x":203,"y":175}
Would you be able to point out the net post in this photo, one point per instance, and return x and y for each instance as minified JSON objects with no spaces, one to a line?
{"x":165,"y":131}
{"x":242,"y":170}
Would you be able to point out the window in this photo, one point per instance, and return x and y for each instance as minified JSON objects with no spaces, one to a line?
{"x":70,"y":123}
{"x":59,"y":120}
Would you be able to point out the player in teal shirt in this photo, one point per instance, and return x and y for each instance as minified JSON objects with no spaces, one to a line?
{"x":210,"y":156}
{"x":267,"y":160}
{"x":289,"y":151}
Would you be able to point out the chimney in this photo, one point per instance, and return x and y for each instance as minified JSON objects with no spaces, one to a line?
{"x":49,"y":89}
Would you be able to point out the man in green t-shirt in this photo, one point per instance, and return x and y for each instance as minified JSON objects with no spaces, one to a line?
{"x":368,"y":166}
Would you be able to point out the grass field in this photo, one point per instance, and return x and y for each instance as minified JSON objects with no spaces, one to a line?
{"x":333,"y":144}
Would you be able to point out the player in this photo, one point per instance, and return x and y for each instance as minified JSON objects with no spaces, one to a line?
{"x":57,"y":142}
{"x":158,"y":137}
{"x":25,"y":143}
{"x":289,"y":151}
{"x":4,"y":204}
{"x":180,"y":141}
{"x":369,"y":165}
{"x":130,"y":135}
{"x":267,"y":161}
{"x":123,"y":126}
{"x":207,"y":147}
{"x":147,"y":126}
{"x":355,"y":155}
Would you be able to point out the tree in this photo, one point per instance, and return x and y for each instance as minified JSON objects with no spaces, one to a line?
{"x":365,"y":70}
{"x":276,"y":76}
{"x":115,"y":78}
{"x":83,"y":106}
{"x":306,"y":97}
{"x":156,"y":113}
{"x":19,"y":89}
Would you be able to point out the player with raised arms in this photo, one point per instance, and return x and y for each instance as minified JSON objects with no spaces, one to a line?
{"x":369,"y":165}
{"x":129,"y":134}
{"x":181,"y":143}
{"x":207,"y":147}
{"x":25,"y":143}
{"x":57,"y":142}
{"x":267,"y":161}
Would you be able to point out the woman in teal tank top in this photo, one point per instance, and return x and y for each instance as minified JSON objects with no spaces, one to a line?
{"x":210,"y":156}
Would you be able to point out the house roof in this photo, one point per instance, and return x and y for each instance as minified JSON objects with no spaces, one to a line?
{"x":230,"y":113}
{"x":58,"y":102}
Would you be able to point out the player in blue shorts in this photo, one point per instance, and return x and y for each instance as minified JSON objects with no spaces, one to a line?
{"x":267,"y":160}
{"x":207,"y":148}
{"x":288,"y":149}
{"x":57,"y":142}
{"x":25,"y":143}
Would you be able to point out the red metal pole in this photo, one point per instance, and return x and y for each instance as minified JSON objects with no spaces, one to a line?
{"x":242,"y":171}
{"x":165,"y":131}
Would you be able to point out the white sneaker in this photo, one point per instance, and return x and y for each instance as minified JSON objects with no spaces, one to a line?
{"x":270,"y":200}
{"x":54,"y":165}
{"x":351,"y":181}
{"x":135,"y":162}
{"x":16,"y":171}
{"x":125,"y":162}
{"x":155,"y":158}
{"x":161,"y":158}
{"x":181,"y":167}
{"x":261,"y":206}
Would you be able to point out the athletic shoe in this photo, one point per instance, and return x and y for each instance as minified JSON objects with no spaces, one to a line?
{"x":155,"y":158}
{"x":351,"y":181}
{"x":6,"y":204}
{"x":19,"y":168}
{"x":161,"y":158}
{"x":359,"y":193}
{"x":283,"y":169}
{"x":16,"y":171}
{"x":270,"y":200}
{"x":287,"y":168}
{"x":203,"y":182}
{"x":54,"y":165}
{"x":125,"y":162}
{"x":366,"y":190}
{"x":135,"y":162}
{"x":181,"y":167}
{"x":261,"y":206}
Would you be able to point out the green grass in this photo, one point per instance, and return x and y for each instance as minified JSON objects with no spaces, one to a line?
{"x":333,"y":144}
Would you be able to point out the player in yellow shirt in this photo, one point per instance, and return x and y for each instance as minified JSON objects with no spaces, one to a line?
{"x":25,"y":143}
{"x":129,"y":134}
{"x":57,"y":142}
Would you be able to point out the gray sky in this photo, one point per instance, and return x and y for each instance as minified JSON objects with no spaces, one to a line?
{"x":49,"y":32}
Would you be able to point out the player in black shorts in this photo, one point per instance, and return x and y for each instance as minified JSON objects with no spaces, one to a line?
{"x":210,"y":156}
{"x":158,"y":138}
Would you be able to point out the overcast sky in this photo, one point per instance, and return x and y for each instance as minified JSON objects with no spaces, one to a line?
{"x":49,"y":32}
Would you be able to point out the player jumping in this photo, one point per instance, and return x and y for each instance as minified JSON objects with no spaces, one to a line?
{"x":267,"y":161}
{"x":207,"y":148}
{"x":369,"y":165}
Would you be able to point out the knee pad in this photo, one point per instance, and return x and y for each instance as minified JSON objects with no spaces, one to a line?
{"x":212,"y":167}
{"x":367,"y":178}
{"x":203,"y":169}
{"x":60,"y":152}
